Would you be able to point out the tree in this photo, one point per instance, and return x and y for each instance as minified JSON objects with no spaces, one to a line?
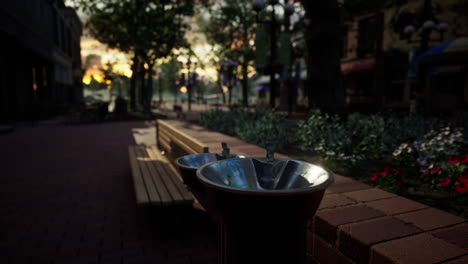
{"x":150,"y":29}
{"x":168,"y":75}
{"x":231,"y":29}
{"x":323,"y":38}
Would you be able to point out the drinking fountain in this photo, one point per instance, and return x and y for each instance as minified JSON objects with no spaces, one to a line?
{"x":263,"y":206}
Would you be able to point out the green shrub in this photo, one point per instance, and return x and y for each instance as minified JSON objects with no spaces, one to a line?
{"x":407,"y":129}
{"x":346,"y":142}
{"x":261,"y":128}
{"x":388,"y":179}
{"x":225,"y":122}
{"x":267,"y":130}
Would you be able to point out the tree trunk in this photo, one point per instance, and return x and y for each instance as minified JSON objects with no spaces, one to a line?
{"x":160,"y":88}
{"x":133,"y":83}
{"x":221,"y":87}
{"x":142,"y":93}
{"x":245,"y":66}
{"x":323,"y":54}
{"x":149,"y":89}
{"x":176,"y":89}
{"x":245,"y":84}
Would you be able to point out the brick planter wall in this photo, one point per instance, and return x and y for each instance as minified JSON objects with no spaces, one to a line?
{"x":360,"y":224}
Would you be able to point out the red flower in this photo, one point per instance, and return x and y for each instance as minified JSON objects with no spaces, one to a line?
{"x":464,"y":158}
{"x":386,"y":171}
{"x":464,"y":178}
{"x":445,"y":181}
{"x":425,"y":173}
{"x":435,"y":170}
{"x":383,"y":172}
{"x":453,"y":162}
{"x":375,"y":176}
{"x":453,"y":159}
{"x":462,"y":187}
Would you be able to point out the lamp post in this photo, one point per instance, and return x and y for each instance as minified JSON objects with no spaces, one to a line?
{"x":427,"y":24}
{"x":288,"y":9}
{"x":229,"y":67}
{"x":190,"y":81}
{"x":425,"y":29}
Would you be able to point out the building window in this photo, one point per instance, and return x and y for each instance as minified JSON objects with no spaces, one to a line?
{"x":369,"y":35}
{"x":56,"y":27}
{"x":34,"y":80}
{"x":62,"y":35}
{"x":344,"y":41}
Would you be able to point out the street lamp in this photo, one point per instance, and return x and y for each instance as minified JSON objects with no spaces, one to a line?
{"x":190,"y":79}
{"x":288,"y":10}
{"x":229,"y":67}
{"x":428,"y":25}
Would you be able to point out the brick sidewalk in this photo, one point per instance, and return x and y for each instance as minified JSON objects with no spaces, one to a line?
{"x":67,"y":197}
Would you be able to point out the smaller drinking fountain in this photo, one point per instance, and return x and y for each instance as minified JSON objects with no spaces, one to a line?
{"x":189,"y":164}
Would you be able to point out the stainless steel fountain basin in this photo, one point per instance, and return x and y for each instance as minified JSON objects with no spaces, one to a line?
{"x":261,"y":176}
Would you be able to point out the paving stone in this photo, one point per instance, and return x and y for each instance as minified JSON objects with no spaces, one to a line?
{"x":396,"y":205}
{"x":369,"y":195}
{"x":355,"y":239}
{"x":430,"y":218}
{"x":462,"y":260}
{"x":328,"y":220}
{"x":457,"y":235}
{"x":348,"y":187}
{"x":342,"y":179}
{"x":335,"y":200}
{"x":73,"y":193}
{"x":422,"y":248}
{"x":324,"y":253}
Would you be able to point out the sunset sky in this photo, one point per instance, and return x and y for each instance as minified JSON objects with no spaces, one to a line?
{"x":122,"y":61}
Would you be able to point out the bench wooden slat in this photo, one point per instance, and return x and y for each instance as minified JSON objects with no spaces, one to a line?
{"x":153,"y":182}
{"x":184,"y":146}
{"x":185,"y":193}
{"x":164,"y":183}
{"x":167,"y":140}
{"x":191,"y":142}
{"x":164,"y":141}
{"x":170,"y":183}
{"x":156,"y":181}
{"x":138,"y":182}
{"x":173,"y":183}
{"x":153,"y":194}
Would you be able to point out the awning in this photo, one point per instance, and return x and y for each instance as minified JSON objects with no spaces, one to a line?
{"x":449,"y":69}
{"x":450,"y":52}
{"x":261,"y":88}
{"x":452,"y":46}
{"x":265,"y":79}
{"x":358,"y":66}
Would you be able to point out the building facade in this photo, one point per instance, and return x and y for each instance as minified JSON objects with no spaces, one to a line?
{"x":378,"y":60}
{"x":40,"y":63}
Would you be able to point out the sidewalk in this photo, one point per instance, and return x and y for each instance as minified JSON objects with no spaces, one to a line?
{"x":67,"y":196}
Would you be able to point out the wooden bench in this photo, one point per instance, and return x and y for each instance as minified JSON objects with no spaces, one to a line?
{"x":156,"y":181}
{"x":176,"y":143}
{"x":179,"y":111}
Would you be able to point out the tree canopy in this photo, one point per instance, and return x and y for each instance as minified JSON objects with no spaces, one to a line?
{"x":150,"y":29}
{"x":230,"y":28}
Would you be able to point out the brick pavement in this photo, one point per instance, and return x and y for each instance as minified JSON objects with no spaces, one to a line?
{"x":67,"y":197}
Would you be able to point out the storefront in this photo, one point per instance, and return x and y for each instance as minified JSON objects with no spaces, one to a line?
{"x":445,"y":68}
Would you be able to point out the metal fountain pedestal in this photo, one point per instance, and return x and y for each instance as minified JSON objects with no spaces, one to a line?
{"x":263,"y":206}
